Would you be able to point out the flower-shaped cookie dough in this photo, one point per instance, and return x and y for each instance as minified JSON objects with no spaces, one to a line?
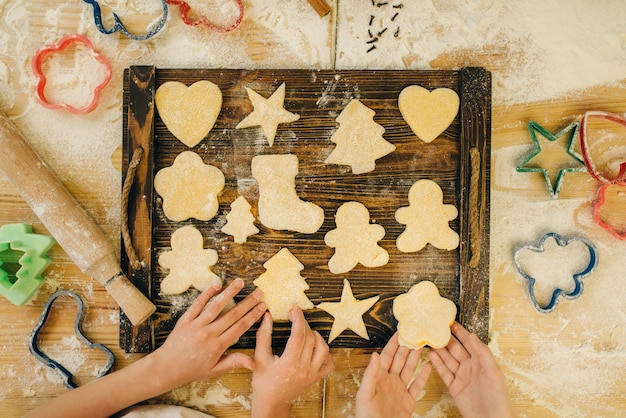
{"x":426,"y":219}
{"x":189,"y":188}
{"x":189,"y":263}
{"x":424,"y":317}
{"x":355,"y":240}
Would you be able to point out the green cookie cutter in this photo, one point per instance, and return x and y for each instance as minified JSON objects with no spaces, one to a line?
{"x":22,"y":260}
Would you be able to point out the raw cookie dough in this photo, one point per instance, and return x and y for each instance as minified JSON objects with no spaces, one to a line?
{"x":189,"y":263}
{"x":279,"y":205}
{"x":426,"y":219}
{"x":428,"y":113}
{"x":189,"y":188}
{"x":268,"y":113}
{"x":189,"y":112}
{"x":348,"y":313}
{"x":424,"y":317}
{"x":240,"y":221}
{"x":282,"y":286}
{"x":359,"y":139}
{"x":355,"y":240}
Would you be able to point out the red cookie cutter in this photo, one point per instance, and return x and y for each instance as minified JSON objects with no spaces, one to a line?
{"x":185,"y":10}
{"x":612,"y":188}
{"x":43,"y":52}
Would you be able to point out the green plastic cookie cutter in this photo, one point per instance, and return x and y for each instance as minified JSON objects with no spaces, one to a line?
{"x":22,"y":260}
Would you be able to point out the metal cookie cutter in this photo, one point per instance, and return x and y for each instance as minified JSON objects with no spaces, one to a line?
{"x":577,"y":277}
{"x":54,"y":365}
{"x":119,"y":26}
{"x":186,"y":12}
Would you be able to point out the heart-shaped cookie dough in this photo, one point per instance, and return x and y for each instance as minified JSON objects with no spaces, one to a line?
{"x":428,"y":113}
{"x":189,"y":112}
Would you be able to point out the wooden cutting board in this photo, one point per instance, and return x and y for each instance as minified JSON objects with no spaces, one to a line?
{"x":459,"y":161}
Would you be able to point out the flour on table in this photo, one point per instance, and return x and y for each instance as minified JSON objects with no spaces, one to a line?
{"x":424,"y":317}
{"x":189,"y":263}
{"x":189,"y":112}
{"x":189,"y":188}
{"x":426,"y":219}
{"x":355,"y":240}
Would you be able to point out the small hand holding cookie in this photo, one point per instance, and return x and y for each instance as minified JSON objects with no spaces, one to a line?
{"x":277,"y":381}
{"x":472,"y":376}
{"x":388,"y":388}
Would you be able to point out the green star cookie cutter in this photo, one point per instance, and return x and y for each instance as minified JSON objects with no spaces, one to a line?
{"x":22,"y":260}
{"x":574,"y":164}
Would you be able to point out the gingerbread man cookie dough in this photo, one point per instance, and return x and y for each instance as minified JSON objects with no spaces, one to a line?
{"x":426,"y":219}
{"x":189,"y":263}
{"x":355,"y":240}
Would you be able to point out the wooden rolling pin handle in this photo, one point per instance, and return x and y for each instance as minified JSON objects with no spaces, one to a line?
{"x":66,"y":220}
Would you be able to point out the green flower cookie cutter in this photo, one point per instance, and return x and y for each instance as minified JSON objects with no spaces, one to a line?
{"x":22,"y":260}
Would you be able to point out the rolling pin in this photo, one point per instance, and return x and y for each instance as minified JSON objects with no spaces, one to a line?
{"x":67,"y":222}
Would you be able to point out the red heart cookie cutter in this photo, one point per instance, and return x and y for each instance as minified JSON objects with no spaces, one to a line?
{"x":185,"y":11}
{"x":44,"y":52}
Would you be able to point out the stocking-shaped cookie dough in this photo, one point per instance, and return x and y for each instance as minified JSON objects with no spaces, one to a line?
{"x":279,"y":205}
{"x":355,"y":240}
{"x":426,"y":219}
{"x":189,"y":263}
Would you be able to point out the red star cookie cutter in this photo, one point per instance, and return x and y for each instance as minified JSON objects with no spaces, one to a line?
{"x":44,"y":52}
{"x":185,"y":12}
{"x":612,"y":194}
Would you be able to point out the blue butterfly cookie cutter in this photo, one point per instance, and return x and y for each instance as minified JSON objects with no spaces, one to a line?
{"x":577,"y":277}
{"x":119,"y":26}
{"x":33,"y":347}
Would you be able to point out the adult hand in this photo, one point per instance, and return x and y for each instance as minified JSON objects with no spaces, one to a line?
{"x":277,"y":381}
{"x":472,"y":376}
{"x":388,"y":387}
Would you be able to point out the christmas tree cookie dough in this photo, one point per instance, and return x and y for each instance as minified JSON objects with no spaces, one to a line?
{"x":424,"y":317}
{"x":240,"y":221}
{"x":348,"y":313}
{"x":282,"y":285}
{"x":268,"y":113}
{"x":189,"y":263}
{"x":359,"y":139}
{"x":426,"y":219}
{"x":189,"y":112}
{"x":279,"y":205}
{"x":428,"y":113}
{"x":189,"y":188}
{"x":355,"y":240}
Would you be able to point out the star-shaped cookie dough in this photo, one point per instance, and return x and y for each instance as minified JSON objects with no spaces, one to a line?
{"x":554,"y":157}
{"x":268,"y":113}
{"x":348,"y":313}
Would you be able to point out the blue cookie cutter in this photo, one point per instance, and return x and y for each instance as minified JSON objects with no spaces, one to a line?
{"x":33,"y":347}
{"x":578,"y":289}
{"x":119,"y":26}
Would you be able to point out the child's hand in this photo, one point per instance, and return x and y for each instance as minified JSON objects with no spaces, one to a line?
{"x":472,"y":376}
{"x":386,"y":388}
{"x":195,"y":348}
{"x":277,"y":381}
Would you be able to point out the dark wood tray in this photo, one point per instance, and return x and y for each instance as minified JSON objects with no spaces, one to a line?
{"x":459,"y":161}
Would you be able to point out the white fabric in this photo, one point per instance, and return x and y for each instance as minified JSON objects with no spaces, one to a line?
{"x":163,"y":411}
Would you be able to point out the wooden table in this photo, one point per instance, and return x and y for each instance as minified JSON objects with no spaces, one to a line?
{"x":568,"y":363}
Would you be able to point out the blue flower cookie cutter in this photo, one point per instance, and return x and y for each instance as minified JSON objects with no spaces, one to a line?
{"x":119,"y":26}
{"x":33,"y":347}
{"x":577,"y":277}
